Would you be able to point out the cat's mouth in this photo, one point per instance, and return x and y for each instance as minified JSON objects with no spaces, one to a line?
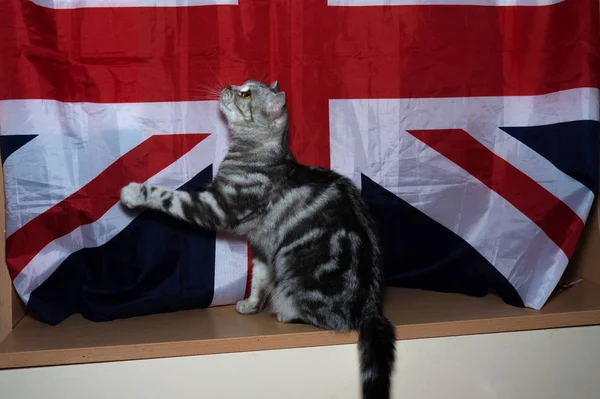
{"x":226,"y":102}
{"x":226,"y":96}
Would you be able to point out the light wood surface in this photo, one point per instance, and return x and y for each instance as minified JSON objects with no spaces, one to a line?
{"x":586,"y":260}
{"x":416,"y":313}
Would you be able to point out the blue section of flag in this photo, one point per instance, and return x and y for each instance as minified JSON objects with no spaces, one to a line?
{"x":418,"y":252}
{"x":12,"y":142}
{"x":156,"y":264}
{"x":571,"y":146}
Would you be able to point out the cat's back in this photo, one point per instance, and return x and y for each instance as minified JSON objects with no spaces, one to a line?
{"x":322,"y":197}
{"x":315,"y":177}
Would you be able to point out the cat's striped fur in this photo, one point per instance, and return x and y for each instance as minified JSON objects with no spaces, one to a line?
{"x":316,"y":258}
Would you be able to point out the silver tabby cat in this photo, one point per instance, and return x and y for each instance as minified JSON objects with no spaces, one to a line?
{"x":316,"y":258}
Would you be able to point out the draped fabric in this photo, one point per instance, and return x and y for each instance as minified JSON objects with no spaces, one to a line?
{"x":470,"y":127}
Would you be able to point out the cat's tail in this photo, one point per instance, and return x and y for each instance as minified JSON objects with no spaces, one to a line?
{"x":376,"y":345}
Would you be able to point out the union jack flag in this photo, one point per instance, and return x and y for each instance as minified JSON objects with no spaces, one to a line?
{"x":471,"y":127}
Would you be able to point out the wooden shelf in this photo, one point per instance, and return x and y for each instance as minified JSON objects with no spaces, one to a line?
{"x":416,"y":313}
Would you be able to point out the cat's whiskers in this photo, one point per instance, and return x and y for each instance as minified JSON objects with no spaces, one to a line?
{"x":209,"y":92}
{"x":218,"y":78}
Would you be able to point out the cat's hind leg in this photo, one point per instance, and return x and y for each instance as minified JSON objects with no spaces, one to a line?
{"x":284,"y":306}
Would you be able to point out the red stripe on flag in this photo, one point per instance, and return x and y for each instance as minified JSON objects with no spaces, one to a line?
{"x":317,"y":52}
{"x":172,"y":53}
{"x":248,"y":275}
{"x":553,"y":216}
{"x":457,"y":51}
{"x":95,"y":198}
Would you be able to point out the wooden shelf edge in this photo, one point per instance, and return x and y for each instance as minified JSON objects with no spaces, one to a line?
{"x":579,"y":306}
{"x":271,"y":342}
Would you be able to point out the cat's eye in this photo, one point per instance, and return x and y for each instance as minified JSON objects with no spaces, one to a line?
{"x":245,"y":94}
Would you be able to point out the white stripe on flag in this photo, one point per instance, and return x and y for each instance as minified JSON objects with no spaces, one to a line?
{"x":77,"y":141}
{"x":231,"y":270}
{"x":64,"y":4}
{"x":481,"y":117}
{"x":370,"y":137}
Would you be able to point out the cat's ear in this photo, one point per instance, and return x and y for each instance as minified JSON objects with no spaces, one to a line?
{"x":275,"y":85}
{"x":276,"y":104}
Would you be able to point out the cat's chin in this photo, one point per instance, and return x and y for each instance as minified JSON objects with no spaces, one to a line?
{"x":228,"y":114}
{"x":224,"y":109}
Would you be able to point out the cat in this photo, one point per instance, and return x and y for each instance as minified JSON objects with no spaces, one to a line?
{"x":316,"y":257}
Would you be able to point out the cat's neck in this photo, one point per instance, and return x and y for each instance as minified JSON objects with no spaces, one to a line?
{"x":270,"y":148}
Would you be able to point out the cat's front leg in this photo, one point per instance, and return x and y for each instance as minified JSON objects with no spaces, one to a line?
{"x":262,"y":285}
{"x":134,"y":195}
{"x":201,"y":208}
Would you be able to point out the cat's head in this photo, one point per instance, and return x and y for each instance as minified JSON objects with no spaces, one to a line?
{"x":254,"y":108}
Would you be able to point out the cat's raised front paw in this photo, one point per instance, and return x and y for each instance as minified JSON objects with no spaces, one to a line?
{"x":133,"y":195}
{"x":247,"y":307}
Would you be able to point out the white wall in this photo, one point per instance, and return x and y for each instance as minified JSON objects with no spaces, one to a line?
{"x":550,"y":364}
